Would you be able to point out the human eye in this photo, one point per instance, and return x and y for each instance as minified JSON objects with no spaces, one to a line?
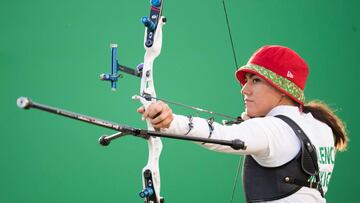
{"x":256,"y":80}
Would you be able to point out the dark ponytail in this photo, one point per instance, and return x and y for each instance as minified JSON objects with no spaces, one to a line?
{"x":325,"y":114}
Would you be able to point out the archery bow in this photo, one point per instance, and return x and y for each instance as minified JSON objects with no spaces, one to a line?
{"x":152,"y":44}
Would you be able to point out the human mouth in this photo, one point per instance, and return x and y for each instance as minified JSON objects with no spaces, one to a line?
{"x":246,"y":101}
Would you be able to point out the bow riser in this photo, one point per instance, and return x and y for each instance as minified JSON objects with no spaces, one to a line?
{"x":152,"y":45}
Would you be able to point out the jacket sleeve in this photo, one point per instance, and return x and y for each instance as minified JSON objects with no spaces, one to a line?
{"x":249,"y":131}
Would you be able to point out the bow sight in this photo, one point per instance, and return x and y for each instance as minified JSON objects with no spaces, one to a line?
{"x":116,"y":67}
{"x":151,"y":24}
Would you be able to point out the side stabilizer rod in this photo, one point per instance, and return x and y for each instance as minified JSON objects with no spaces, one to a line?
{"x":26,"y":103}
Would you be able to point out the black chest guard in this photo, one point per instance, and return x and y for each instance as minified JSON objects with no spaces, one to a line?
{"x":271,"y":183}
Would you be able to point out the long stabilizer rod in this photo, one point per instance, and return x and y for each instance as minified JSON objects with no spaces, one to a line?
{"x":26,"y":103}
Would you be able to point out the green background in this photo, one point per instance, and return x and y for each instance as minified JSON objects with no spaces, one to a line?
{"x":53,"y":52}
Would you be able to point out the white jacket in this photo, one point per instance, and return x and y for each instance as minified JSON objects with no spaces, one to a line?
{"x":271,"y":142}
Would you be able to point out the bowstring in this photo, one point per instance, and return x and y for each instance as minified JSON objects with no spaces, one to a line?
{"x":229,"y":31}
{"x":236,"y":66}
{"x":236,"y":178}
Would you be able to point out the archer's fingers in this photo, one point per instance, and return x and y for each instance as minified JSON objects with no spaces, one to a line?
{"x":155,"y":109}
{"x":164,"y":116}
{"x":150,"y":111}
{"x":164,"y":124}
{"x":141,"y":110}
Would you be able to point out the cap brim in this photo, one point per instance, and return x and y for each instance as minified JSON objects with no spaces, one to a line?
{"x":240,"y":76}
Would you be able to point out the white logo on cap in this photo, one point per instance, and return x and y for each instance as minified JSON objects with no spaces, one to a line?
{"x":290,"y":75}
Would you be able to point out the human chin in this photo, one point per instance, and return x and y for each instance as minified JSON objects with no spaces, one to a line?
{"x":250,"y":112}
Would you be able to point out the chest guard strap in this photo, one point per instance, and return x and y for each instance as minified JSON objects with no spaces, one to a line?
{"x":271,"y":183}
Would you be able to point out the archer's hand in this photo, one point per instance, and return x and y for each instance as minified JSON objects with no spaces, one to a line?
{"x":159,"y":114}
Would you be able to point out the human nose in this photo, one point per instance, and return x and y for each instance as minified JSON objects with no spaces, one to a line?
{"x":245,"y":90}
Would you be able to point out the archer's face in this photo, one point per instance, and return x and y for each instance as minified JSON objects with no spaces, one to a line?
{"x":259,"y":96}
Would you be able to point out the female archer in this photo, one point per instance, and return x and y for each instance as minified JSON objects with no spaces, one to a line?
{"x":291,"y":144}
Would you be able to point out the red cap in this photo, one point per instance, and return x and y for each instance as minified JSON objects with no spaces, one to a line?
{"x":282,"y":67}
